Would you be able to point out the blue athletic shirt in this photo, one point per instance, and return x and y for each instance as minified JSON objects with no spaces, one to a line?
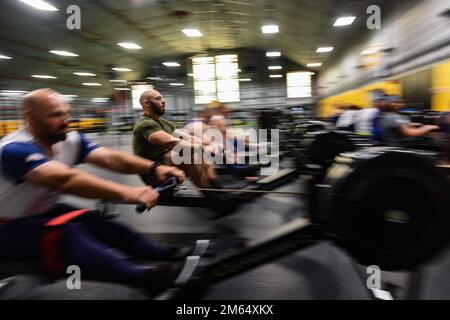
{"x":19,"y":154}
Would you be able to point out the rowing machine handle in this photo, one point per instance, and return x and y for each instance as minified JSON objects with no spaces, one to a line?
{"x":167,"y":185}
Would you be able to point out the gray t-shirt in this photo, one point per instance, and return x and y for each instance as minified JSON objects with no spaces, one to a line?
{"x":390,"y":124}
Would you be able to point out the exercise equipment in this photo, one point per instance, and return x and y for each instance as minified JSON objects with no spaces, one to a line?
{"x":389,"y":207}
{"x":386,"y":207}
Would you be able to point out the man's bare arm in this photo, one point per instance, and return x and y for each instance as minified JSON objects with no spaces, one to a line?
{"x":118,"y":161}
{"x":59,"y":177}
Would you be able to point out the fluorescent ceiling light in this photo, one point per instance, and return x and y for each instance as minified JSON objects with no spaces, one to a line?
{"x":275,"y":67}
{"x":130,"y":45}
{"x":118,"y":81}
{"x":68,"y":97}
{"x":84,"y":74}
{"x":100,"y":99}
{"x":171,"y":64}
{"x":40,"y":4}
{"x":122,"y":89}
{"x":176,"y":84}
{"x":5,"y":57}
{"x":122,"y":69}
{"x":40,"y":76}
{"x":270,"y":29}
{"x":14,"y":91}
{"x":245,"y":79}
{"x":312,"y":65}
{"x":273,"y":54}
{"x":64,"y":53}
{"x":344,"y":21}
{"x":324,"y":49}
{"x":276,"y":76}
{"x":91,"y":84}
{"x":155,"y":78}
{"x":193,"y":33}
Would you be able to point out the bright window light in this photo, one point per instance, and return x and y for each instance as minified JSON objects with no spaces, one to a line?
{"x":344,"y":21}
{"x":171,"y":64}
{"x":41,"y":76}
{"x":40,"y":5}
{"x":276,"y":76}
{"x":122,"y":69}
{"x":315,"y":64}
{"x":91,"y":84}
{"x":5,"y":57}
{"x":324,"y":49}
{"x":64,"y":53}
{"x":216,"y":78}
{"x":193,"y":33}
{"x":130,"y":46}
{"x":275,"y":67}
{"x":299,"y":84}
{"x":273,"y":54}
{"x":270,"y":29}
{"x":84,"y":74}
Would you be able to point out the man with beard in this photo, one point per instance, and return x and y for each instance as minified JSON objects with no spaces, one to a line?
{"x":36,"y":166}
{"x":153,"y":139}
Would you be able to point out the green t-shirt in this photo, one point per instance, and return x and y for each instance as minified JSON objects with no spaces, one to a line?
{"x":144,"y":127}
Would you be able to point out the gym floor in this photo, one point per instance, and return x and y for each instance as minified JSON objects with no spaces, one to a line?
{"x":322,"y":271}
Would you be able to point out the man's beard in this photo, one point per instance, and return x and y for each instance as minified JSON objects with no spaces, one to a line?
{"x":60,"y":136}
{"x":156,"y":110}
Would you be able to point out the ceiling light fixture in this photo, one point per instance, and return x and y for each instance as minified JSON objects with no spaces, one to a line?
{"x":270,"y":29}
{"x":64,"y":53}
{"x":91,"y":84}
{"x":40,"y":76}
{"x":276,"y":76}
{"x":344,"y":21}
{"x":273,"y":54}
{"x":130,"y":45}
{"x":40,"y":5}
{"x":176,"y":84}
{"x":5,"y":57}
{"x":122,"y":69}
{"x":324,"y":49}
{"x":171,"y":64}
{"x":192,"y":33}
{"x":85,"y":74}
{"x":275,"y":67}
{"x":314,"y":64}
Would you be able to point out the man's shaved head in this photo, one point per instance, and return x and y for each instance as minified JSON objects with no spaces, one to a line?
{"x":38,"y":98}
{"x":147,"y":94}
{"x":153,"y":103}
{"x":46,"y":115}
